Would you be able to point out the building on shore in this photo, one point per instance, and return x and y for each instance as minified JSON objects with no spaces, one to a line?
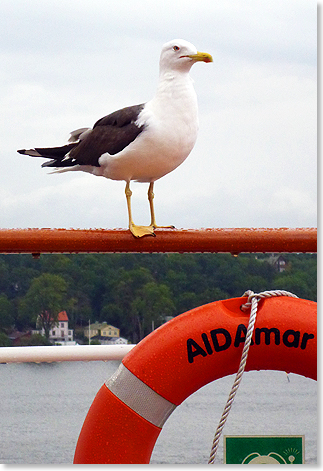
{"x":60,"y":333}
{"x":104,"y":333}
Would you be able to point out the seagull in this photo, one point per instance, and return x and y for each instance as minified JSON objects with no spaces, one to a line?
{"x":142,"y":142}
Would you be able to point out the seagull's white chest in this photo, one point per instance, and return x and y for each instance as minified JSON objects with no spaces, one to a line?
{"x":171,"y":126}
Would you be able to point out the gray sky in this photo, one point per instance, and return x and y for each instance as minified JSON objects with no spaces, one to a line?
{"x":65,"y":64}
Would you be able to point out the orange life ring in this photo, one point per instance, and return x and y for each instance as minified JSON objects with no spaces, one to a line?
{"x":180,"y":357}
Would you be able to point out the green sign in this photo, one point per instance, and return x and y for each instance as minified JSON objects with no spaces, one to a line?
{"x":264,"y":449}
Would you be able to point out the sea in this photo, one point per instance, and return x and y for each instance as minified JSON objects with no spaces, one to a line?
{"x":43,"y":406}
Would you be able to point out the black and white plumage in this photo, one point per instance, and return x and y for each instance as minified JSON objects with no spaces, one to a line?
{"x":142,"y":142}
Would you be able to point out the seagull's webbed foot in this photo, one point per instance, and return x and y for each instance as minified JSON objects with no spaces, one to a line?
{"x":141,"y":231}
{"x":136,"y":231}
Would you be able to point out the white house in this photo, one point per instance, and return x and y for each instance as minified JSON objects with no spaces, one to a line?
{"x":60,"y":333}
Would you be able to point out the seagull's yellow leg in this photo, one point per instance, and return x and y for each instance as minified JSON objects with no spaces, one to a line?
{"x":152,"y":210}
{"x":151,"y":204}
{"x":137,"y":231}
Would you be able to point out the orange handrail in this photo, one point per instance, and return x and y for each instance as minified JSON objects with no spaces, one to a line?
{"x":236,"y":240}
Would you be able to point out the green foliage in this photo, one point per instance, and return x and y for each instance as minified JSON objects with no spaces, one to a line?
{"x":4,"y":340}
{"x":6,"y":312}
{"x":43,"y":301}
{"x":33,"y":341}
{"x":151,"y":305}
{"x":136,"y":291}
{"x":300,"y":277}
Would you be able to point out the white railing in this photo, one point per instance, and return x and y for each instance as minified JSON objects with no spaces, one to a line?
{"x":63,"y":353}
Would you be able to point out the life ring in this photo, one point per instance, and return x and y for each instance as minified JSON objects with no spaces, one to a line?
{"x":180,"y":357}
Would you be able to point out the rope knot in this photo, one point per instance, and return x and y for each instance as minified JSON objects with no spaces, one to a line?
{"x":264,"y":294}
{"x":244,"y":307}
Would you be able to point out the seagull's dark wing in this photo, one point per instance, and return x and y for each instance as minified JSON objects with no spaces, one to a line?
{"x":111,"y":134}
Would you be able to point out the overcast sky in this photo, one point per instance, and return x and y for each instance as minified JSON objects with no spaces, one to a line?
{"x":65,"y":64}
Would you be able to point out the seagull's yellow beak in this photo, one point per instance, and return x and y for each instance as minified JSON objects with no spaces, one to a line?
{"x":201,"y":56}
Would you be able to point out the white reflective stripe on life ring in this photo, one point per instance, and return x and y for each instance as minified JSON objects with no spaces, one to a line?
{"x":139,"y":397}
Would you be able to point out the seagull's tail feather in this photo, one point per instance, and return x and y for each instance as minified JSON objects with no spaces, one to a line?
{"x":58,"y":155}
{"x":67,"y":169}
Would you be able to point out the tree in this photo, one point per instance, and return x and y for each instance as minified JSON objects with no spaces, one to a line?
{"x":33,"y":340}
{"x":112,"y":287}
{"x":152,"y":304}
{"x":6,"y":312}
{"x":4,"y":340}
{"x":43,"y":301}
{"x":124,"y":289}
{"x":296,"y":284}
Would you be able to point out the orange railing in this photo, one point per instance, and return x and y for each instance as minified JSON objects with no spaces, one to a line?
{"x":234,"y":241}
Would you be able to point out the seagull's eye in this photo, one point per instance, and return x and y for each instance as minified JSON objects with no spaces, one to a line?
{"x":175,"y":48}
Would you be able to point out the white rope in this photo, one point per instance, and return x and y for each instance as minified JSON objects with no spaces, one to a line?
{"x":252,"y":302}
{"x":264,"y":294}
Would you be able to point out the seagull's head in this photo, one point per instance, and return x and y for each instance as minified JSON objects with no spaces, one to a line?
{"x":179,"y":54}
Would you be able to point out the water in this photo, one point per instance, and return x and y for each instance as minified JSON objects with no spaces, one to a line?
{"x":43,"y":407}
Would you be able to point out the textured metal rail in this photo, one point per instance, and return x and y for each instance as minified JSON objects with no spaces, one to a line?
{"x":235,"y":240}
